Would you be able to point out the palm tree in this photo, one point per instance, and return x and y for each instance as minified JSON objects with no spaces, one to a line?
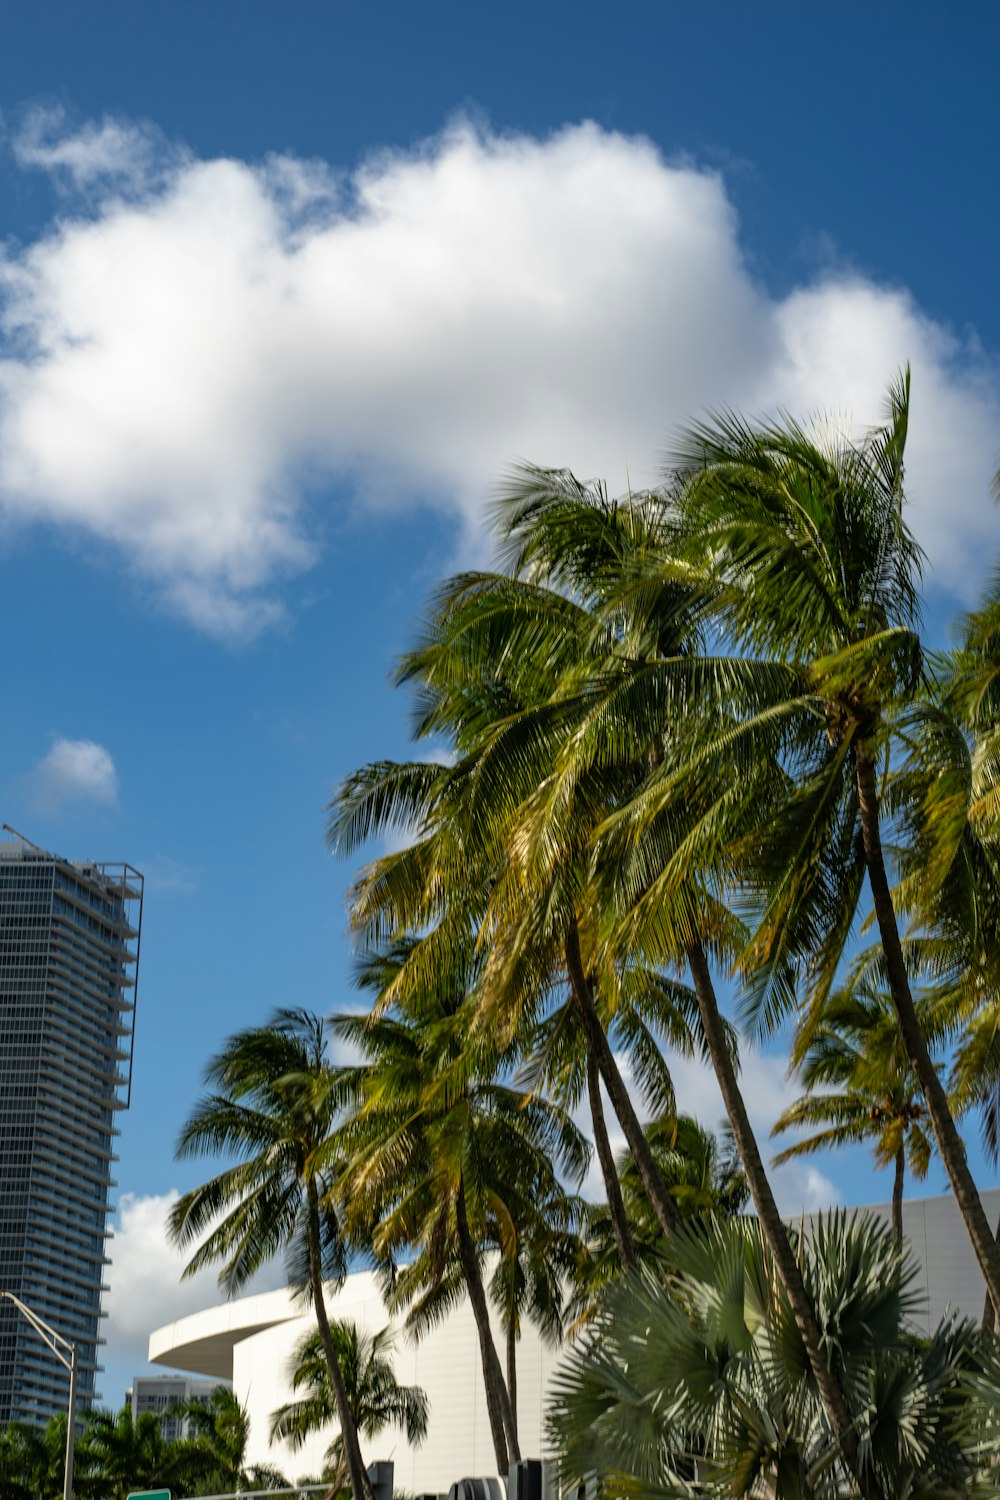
{"x":599,"y":733}
{"x":704,"y":1177}
{"x":694,"y":1380}
{"x":439,"y":1152}
{"x":274,"y":1106}
{"x":493,"y":649}
{"x":538,"y":1249}
{"x":32,"y":1461}
{"x":375,"y":1397}
{"x":641,"y":1012}
{"x":127,"y":1453}
{"x":861,"y":1088}
{"x":817,"y":586}
{"x":217,"y":1441}
{"x":605,"y":752}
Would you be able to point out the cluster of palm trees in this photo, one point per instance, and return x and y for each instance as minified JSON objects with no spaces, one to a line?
{"x":117,"y":1454}
{"x":685,"y":736}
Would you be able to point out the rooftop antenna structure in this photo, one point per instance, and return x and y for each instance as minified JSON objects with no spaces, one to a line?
{"x":30,"y":842}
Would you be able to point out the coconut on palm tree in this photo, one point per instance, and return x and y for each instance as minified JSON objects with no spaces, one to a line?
{"x":273,"y":1106}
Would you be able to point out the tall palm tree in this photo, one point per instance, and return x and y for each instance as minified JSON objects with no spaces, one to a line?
{"x":861,"y":1088}
{"x":621,"y":719}
{"x":274,"y":1105}
{"x":439,"y":1152}
{"x":538,"y":1248}
{"x":540,"y":772}
{"x":818,"y":588}
{"x":499,"y":673}
{"x":376,"y":1398}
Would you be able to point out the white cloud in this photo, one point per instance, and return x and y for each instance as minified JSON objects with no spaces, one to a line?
{"x":73,"y":771}
{"x":113,"y":153}
{"x":767,"y":1091}
{"x":188,"y":367}
{"x":798,"y":1186}
{"x":145,"y":1289}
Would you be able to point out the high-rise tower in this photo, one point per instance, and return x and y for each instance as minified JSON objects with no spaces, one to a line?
{"x":69,"y":952}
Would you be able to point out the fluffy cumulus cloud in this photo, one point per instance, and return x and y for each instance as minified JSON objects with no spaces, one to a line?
{"x":145,"y":1289}
{"x":198,"y":351}
{"x":73,"y":771}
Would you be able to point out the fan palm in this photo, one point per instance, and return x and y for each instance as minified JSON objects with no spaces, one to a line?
{"x":861,"y":1088}
{"x":695,"y":1381}
{"x":275,"y":1104}
{"x":375,"y":1397}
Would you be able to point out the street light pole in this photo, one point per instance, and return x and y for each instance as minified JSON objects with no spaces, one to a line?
{"x":70,"y":1427}
{"x":56,"y":1344}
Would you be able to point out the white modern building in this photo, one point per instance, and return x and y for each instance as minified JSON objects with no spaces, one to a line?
{"x":250,"y":1342}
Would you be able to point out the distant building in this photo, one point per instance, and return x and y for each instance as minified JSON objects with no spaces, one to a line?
{"x":159,"y":1393}
{"x":69,"y":951}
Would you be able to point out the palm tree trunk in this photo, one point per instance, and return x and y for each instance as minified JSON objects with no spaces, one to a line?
{"x":897,"y":1196}
{"x":501,"y":1417}
{"x":989,"y":1311}
{"x":360,"y":1484}
{"x":949,"y":1142}
{"x":609,"y":1172}
{"x":828,"y":1385}
{"x":512,"y":1364}
{"x":663,"y":1205}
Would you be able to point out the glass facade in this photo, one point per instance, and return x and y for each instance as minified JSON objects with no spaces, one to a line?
{"x":69,"y":950}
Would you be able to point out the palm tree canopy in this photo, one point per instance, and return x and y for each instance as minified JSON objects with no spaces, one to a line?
{"x":859,"y":1084}
{"x":376,"y":1398}
{"x":693,"y":1379}
{"x":434,"y":1117}
{"x":274,"y":1103}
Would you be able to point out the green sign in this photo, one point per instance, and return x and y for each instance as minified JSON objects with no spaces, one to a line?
{"x":149,"y":1495}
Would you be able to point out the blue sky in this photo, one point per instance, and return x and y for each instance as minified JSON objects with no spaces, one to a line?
{"x":282,"y":289}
